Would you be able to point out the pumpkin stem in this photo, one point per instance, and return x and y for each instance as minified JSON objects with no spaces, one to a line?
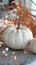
{"x":18,"y":25}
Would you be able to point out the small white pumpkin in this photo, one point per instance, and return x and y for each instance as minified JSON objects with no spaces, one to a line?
{"x":32,"y":45}
{"x":17,"y":37}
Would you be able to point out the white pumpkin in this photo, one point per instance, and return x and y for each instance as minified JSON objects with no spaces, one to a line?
{"x":17,"y":37}
{"x":32,"y":45}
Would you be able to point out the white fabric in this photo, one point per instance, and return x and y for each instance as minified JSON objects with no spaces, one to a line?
{"x":33,"y":63}
{"x":5,"y":2}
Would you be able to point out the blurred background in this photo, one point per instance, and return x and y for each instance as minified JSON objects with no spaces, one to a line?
{"x":30,"y":3}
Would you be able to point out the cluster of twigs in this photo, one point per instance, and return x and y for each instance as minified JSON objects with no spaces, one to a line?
{"x":26,"y":19}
